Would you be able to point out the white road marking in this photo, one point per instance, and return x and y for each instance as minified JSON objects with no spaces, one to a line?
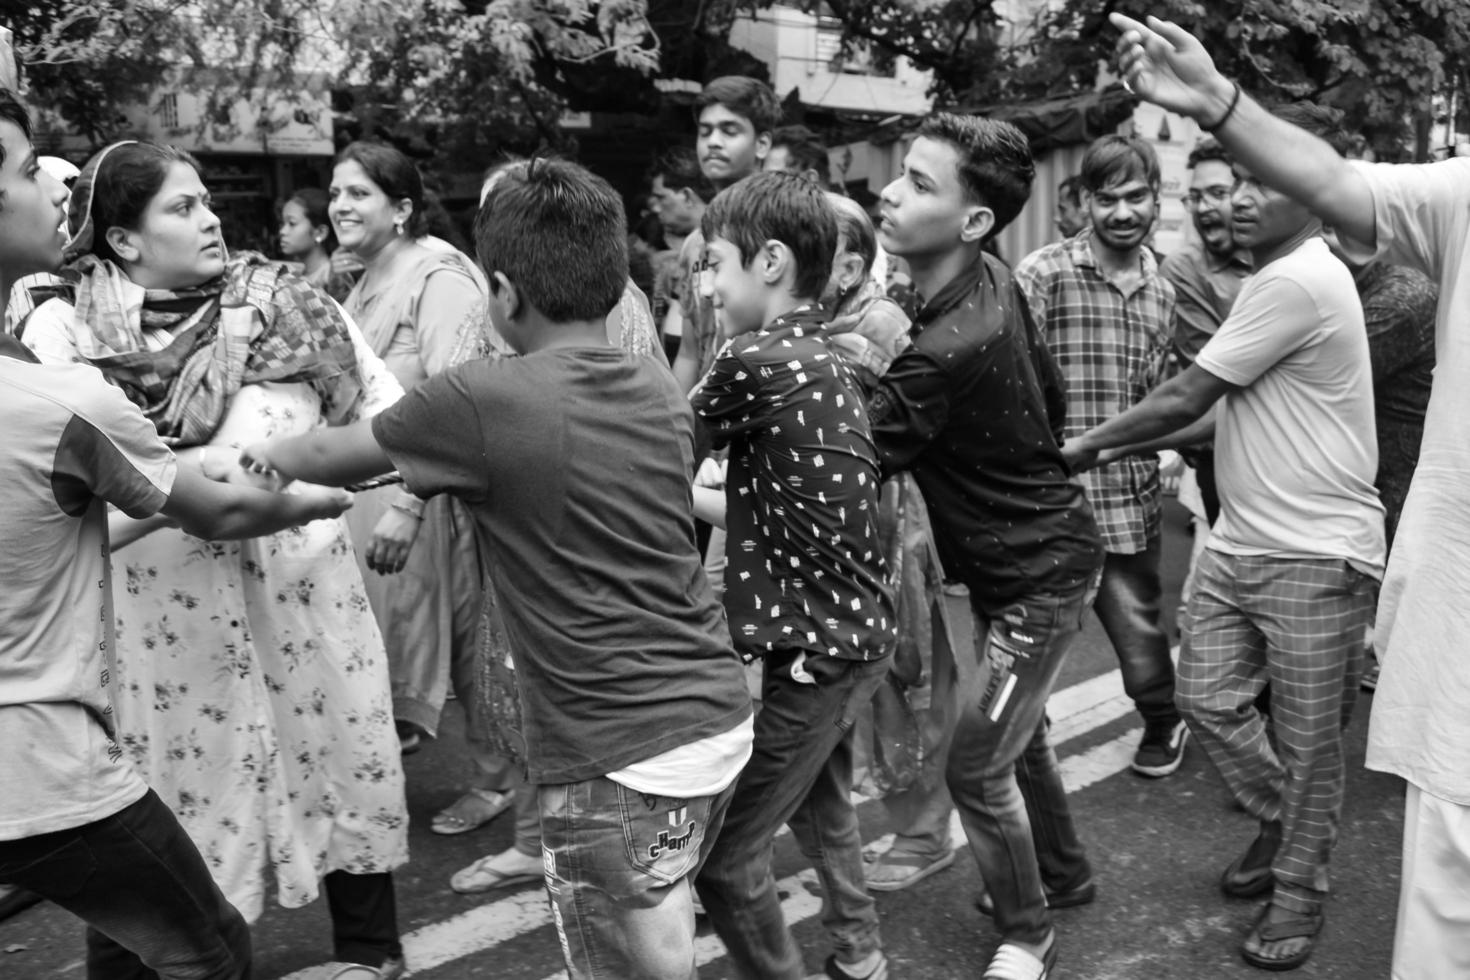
{"x":1074,"y":711}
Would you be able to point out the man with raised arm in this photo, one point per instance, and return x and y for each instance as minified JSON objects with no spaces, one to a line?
{"x":1415,"y":215}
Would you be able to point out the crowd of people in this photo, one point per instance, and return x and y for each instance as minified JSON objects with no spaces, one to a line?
{"x":667,"y":541}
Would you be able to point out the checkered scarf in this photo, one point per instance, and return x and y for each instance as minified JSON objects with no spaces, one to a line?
{"x":254,"y":323}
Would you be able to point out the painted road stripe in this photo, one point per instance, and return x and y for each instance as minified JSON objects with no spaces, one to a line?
{"x":1074,"y":711}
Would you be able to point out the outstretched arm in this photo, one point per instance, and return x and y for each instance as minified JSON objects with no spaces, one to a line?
{"x":1172,"y":406}
{"x":211,"y":510}
{"x":333,"y":457}
{"x":1166,"y":65}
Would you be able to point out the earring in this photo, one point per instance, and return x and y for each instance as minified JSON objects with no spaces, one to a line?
{"x":398,"y":225}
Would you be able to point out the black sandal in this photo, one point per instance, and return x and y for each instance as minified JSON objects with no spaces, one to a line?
{"x":1297,"y":927}
{"x":1248,"y":876}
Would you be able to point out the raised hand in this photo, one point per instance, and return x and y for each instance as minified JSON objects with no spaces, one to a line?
{"x":1165,"y":64}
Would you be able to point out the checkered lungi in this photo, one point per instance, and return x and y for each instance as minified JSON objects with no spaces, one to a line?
{"x":1299,"y":624}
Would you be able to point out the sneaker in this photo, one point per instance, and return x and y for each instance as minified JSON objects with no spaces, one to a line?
{"x":957,"y":590}
{"x":389,"y":970}
{"x":831,"y":971}
{"x":1161,"y":750}
{"x":1369,"y":680}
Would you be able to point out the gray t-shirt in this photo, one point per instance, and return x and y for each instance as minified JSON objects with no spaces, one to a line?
{"x":575,"y":464}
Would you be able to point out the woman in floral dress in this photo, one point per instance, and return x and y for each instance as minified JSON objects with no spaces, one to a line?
{"x":252,"y":688}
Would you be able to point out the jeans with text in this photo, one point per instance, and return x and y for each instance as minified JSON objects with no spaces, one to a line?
{"x":1023,"y":844}
{"x":619,"y":868}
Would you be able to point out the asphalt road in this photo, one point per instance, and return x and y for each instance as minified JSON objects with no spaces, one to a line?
{"x":1157,"y":847}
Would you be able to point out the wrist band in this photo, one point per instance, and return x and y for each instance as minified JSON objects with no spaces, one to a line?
{"x":1229,"y":110}
{"x":405,"y":509}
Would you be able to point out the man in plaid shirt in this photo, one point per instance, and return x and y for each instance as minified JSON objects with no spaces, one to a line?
{"x":1108,"y":318}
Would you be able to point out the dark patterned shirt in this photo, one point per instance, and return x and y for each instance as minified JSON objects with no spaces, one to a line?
{"x":1112,"y":348}
{"x":1205,"y":288}
{"x":805,"y":567}
{"x":973,"y":408}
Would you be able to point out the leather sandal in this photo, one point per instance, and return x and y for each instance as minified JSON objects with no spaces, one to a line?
{"x":474,"y":809}
{"x":1297,"y":927}
{"x":1248,"y":876}
{"x":1083,"y":894}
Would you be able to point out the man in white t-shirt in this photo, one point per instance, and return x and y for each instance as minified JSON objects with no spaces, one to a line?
{"x":1284,"y":591}
{"x":1417,"y":216}
{"x":78,"y":825}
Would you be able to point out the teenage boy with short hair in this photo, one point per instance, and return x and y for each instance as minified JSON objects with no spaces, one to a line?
{"x":805,"y":585}
{"x":798,"y":150}
{"x":736,"y":118}
{"x":973,"y":407}
{"x":575,"y":459}
{"x":71,"y":445}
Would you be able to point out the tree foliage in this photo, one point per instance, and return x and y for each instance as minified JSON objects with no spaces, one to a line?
{"x":1381,"y":61}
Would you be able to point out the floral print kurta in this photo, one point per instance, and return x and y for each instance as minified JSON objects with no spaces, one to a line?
{"x":252,"y":688}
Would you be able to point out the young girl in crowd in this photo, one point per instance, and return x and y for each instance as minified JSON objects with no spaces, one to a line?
{"x":251,"y":690}
{"x":306,"y":236}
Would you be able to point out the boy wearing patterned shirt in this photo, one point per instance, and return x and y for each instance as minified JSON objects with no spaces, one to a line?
{"x":805,"y":586}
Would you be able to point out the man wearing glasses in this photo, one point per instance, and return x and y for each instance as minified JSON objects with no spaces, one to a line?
{"x":1206,"y":275}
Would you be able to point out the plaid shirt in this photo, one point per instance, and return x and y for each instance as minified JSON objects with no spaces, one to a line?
{"x":1112,"y":348}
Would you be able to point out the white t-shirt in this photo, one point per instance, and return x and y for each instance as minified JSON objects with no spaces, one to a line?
{"x":1295,"y":446}
{"x":70,"y":444}
{"x":1420,"y":726}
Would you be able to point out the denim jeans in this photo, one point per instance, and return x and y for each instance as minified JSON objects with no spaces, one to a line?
{"x":1021,"y":842}
{"x":800,"y":772}
{"x":619,"y":866}
{"x":139,"y":883}
{"x":1128,"y":607}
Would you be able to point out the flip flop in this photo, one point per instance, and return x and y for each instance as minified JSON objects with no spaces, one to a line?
{"x":1248,"y":880}
{"x":481,"y":877}
{"x":485,"y":804}
{"x":917,"y":867}
{"x":1297,"y":927}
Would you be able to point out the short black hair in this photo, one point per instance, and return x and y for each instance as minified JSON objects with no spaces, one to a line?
{"x":1207,"y":149}
{"x":1118,"y":159}
{"x":805,"y":148}
{"x":995,"y":166}
{"x":557,"y":232}
{"x":781,"y":206}
{"x":1321,"y":121}
{"x":11,"y":110}
{"x":1070,"y":190}
{"x":749,"y":98}
{"x":679,"y":167}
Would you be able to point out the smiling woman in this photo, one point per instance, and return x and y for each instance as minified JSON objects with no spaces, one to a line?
{"x":250,"y":691}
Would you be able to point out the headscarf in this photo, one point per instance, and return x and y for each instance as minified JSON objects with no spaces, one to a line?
{"x":254,"y":323}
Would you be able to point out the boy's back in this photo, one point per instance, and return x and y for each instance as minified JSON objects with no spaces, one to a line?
{"x":576,"y":464}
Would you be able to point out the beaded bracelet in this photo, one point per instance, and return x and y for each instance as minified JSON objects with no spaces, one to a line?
{"x":1229,"y":111}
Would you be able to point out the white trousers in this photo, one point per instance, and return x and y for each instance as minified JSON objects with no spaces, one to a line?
{"x":1432,"y":939}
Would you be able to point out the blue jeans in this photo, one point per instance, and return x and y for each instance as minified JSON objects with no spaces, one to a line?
{"x":139,"y":883}
{"x":618,"y":869}
{"x":1021,"y":842}
{"x":1128,"y":607}
{"x":800,"y":772}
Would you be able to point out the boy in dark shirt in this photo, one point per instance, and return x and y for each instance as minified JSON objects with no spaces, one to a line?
{"x":972,"y":408}
{"x":574,"y":460}
{"x":805,"y":587}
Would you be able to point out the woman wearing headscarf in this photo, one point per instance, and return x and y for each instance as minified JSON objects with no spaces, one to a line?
{"x":251,"y":688}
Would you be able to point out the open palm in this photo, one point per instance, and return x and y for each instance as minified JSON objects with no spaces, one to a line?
{"x":1165,"y":64}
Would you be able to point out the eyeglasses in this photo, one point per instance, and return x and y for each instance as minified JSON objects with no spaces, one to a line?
{"x":1217,"y":195}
